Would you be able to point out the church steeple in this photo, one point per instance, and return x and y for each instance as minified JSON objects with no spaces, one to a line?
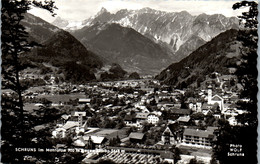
{"x":209,"y":94}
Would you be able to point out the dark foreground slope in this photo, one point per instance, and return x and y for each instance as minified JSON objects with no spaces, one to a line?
{"x":66,"y":53}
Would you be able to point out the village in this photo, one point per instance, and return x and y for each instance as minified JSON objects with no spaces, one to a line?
{"x":143,"y":119}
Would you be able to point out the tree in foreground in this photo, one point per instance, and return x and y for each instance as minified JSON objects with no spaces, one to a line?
{"x":238,"y":144}
{"x":14,"y":45}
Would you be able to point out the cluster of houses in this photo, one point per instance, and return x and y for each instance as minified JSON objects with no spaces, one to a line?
{"x":173,"y":135}
{"x":147,"y":102}
{"x":218,"y":104}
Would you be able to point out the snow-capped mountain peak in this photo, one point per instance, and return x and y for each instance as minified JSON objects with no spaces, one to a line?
{"x":171,"y":28}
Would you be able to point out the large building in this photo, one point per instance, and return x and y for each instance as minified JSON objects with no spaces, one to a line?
{"x":196,"y":137}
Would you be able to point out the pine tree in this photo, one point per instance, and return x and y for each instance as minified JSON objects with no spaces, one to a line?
{"x":246,"y":134}
{"x":247,"y":70}
{"x":15,"y":44}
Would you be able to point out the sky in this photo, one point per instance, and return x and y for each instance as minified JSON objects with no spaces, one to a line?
{"x":78,"y":10}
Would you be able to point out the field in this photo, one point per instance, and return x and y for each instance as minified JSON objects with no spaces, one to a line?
{"x":195,"y":151}
{"x":54,"y":99}
{"x":63,"y":98}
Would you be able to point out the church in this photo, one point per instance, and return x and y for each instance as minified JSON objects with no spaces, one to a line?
{"x":215,"y":99}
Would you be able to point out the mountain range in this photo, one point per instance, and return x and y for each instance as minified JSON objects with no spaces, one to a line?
{"x":177,"y":33}
{"x":174,"y":28}
{"x":145,"y":41}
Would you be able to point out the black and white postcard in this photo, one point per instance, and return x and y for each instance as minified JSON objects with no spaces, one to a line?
{"x":129,"y":81}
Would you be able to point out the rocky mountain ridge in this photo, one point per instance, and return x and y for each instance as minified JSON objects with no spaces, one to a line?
{"x":173,"y":28}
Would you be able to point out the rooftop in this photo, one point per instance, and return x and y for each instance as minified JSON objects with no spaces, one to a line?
{"x":198,"y":133}
{"x":81,"y":100}
{"x":141,"y":115}
{"x":95,"y":139}
{"x":174,"y":127}
{"x":134,"y":135}
{"x":184,"y":119}
{"x":78,"y":113}
{"x":70,"y":124}
{"x":105,"y":132}
{"x":180,"y":111}
{"x":216,"y":98}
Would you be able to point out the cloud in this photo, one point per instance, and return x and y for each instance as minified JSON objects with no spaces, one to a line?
{"x":83,"y":9}
{"x":114,"y":6}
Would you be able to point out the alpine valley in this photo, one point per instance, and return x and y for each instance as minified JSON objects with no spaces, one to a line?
{"x":144,"y":41}
{"x":132,"y":86}
{"x":177,"y":34}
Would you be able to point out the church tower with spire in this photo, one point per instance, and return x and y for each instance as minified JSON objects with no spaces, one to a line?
{"x":209,"y":94}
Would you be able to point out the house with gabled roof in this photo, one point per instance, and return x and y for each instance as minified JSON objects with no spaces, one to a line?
{"x":59,"y":133}
{"x":98,"y":140}
{"x":172,"y":134}
{"x":165,"y":104}
{"x":63,"y":130}
{"x":130,"y":120}
{"x":136,"y":137}
{"x":80,"y":142}
{"x":140,"y":118}
{"x":70,"y":124}
{"x":184,"y":120}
